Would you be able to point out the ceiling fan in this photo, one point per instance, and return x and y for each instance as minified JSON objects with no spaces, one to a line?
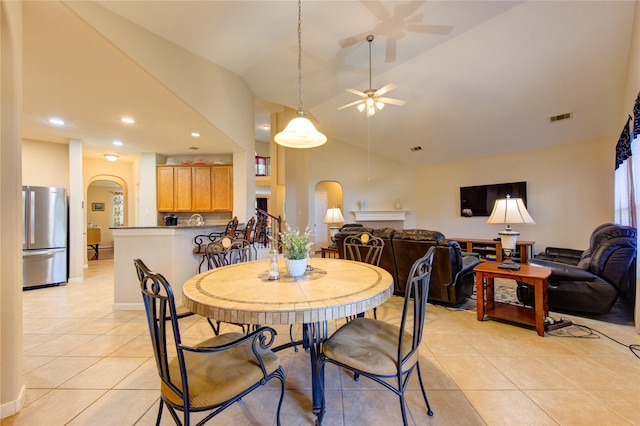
{"x":372,"y":98}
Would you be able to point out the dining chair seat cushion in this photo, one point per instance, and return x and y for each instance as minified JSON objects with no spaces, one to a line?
{"x":369,"y":345}
{"x":219,"y":376}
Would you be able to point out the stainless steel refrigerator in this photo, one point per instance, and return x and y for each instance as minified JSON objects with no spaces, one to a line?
{"x":44,"y":248}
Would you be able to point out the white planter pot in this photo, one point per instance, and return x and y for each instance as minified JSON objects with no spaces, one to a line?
{"x":296,"y":268}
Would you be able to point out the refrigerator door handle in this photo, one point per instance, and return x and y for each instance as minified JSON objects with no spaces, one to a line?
{"x":24,"y":218}
{"x":32,"y":218}
{"x":27,"y":253}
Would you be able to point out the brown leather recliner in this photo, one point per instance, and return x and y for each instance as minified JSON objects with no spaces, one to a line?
{"x":592,"y":280}
{"x":452,"y":279}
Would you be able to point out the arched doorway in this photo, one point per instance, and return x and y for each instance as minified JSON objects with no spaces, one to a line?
{"x":327,"y":194}
{"x":106,"y":206}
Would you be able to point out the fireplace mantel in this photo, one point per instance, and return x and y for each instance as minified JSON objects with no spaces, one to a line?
{"x":379,"y":215}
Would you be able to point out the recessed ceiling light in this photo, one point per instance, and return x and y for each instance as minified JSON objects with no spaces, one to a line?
{"x":195,"y":134}
{"x":56,"y":121}
{"x":118,"y":143}
{"x":111,"y":157}
{"x":127,"y":120}
{"x":265,"y":127}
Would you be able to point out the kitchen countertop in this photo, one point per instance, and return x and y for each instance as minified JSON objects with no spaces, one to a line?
{"x":216,"y":227}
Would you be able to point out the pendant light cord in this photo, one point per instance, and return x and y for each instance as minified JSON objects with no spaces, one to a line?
{"x":300,"y":108}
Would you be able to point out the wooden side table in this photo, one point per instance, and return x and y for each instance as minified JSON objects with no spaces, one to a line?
{"x":329,"y":252}
{"x":536,"y":276}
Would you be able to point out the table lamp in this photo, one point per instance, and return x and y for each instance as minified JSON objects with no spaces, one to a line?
{"x":333,"y":217}
{"x":507,"y":211}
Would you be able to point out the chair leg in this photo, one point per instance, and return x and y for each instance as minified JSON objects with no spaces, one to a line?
{"x":160,"y":412}
{"x":424,"y":394}
{"x":403,"y":409}
{"x":280,"y":377}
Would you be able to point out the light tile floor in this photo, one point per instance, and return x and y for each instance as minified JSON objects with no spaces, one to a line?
{"x":85,"y":364}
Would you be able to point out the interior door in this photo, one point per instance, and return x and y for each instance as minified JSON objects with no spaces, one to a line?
{"x":321,"y":230}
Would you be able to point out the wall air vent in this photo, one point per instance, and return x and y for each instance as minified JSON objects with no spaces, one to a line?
{"x":416,"y":148}
{"x":560,"y":117}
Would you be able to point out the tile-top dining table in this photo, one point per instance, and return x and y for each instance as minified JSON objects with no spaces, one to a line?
{"x":332,"y":289}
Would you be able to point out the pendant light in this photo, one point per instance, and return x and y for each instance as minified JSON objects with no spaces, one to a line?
{"x":300,"y":132}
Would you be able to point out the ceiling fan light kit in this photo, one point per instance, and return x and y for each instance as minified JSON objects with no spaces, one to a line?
{"x":372,"y":98}
{"x":300,"y":132}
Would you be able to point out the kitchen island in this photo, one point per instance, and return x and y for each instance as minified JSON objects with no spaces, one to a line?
{"x":167,"y":250}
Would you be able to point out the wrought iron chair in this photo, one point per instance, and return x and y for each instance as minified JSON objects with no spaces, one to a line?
{"x":248,"y":229}
{"x":228,"y":252}
{"x":383,"y":352}
{"x":211,"y":375}
{"x":365,"y":248}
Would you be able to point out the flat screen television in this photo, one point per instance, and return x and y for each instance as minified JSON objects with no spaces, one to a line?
{"x":478,"y":200}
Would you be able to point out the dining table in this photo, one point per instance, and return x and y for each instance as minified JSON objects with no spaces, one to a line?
{"x":330,"y":289}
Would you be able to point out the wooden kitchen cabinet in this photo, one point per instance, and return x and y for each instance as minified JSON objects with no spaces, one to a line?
{"x":202,"y":188}
{"x":165,"y":191}
{"x":202,"y":200}
{"x":222,"y":188}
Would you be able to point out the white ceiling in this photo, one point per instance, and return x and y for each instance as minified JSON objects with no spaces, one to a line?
{"x":478,"y":77}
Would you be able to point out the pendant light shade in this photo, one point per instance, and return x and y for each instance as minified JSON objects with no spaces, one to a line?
{"x":300,"y":132}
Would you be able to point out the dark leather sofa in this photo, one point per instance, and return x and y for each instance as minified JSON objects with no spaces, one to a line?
{"x":590,"y":281}
{"x":452,"y":280}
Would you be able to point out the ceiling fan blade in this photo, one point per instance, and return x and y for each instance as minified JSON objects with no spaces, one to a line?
{"x":351,"y":40}
{"x":350,"y":104}
{"x":377,"y":9}
{"x":356,"y":92}
{"x":406,"y":10}
{"x":391,"y":101}
{"x":389,"y":87}
{"x":429,"y":29}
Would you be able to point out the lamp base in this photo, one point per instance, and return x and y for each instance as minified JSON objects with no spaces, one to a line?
{"x":514,"y":266}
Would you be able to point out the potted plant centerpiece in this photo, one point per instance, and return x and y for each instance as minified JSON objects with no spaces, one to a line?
{"x":296,"y":245}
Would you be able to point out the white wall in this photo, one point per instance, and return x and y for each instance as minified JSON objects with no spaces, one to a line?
{"x":45,"y":164}
{"x":376,"y":179}
{"x":569,"y":193}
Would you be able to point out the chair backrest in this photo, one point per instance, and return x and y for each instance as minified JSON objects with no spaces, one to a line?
{"x":162,"y":318}
{"x":226,"y":251}
{"x":260,"y":231}
{"x":249,"y":228}
{"x":612,"y":254}
{"x":415,"y":308}
{"x":231,"y":227}
{"x":363,"y":247}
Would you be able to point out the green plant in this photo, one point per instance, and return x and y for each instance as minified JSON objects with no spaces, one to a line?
{"x":295,"y":244}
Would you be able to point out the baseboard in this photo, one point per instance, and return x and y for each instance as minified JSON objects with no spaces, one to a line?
{"x":12,"y":407}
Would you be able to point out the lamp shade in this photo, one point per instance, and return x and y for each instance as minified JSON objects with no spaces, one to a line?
{"x":334,"y":215}
{"x":510,"y":210}
{"x":300,"y":133}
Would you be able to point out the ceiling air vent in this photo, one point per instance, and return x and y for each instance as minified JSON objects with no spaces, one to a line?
{"x":560,"y":117}
{"x":416,"y":148}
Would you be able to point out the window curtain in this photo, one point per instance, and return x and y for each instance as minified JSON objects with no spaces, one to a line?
{"x":624,"y":179}
{"x":117,"y":201}
{"x":627,"y":184}
{"x":635,"y":145}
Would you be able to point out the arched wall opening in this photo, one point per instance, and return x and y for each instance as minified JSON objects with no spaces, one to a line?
{"x":106,"y":206}
{"x":327,"y":194}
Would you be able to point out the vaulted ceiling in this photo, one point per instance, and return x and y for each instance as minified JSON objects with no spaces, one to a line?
{"x":478,"y":77}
